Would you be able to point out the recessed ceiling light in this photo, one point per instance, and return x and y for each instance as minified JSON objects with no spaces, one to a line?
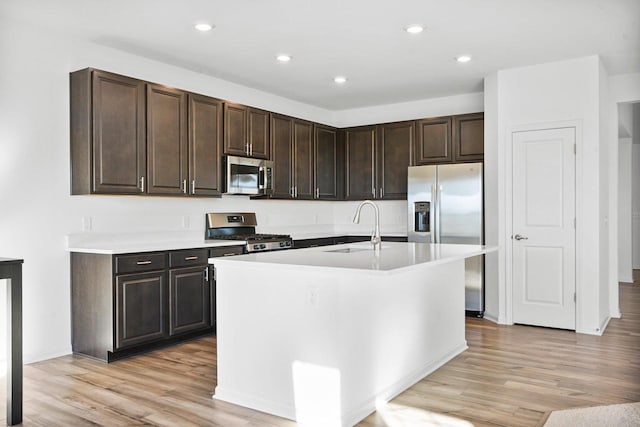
{"x":204,"y":27}
{"x":283,"y":58}
{"x":463,"y":58}
{"x":414,"y":29}
{"x":340,"y":79}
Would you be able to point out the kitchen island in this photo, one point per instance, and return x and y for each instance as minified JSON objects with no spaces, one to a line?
{"x":320,"y":335}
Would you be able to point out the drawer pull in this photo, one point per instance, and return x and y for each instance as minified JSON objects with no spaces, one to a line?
{"x":190,"y":258}
{"x":143,"y":262}
{"x":230,"y":254}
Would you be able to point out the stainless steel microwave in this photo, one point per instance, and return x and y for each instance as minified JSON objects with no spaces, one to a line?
{"x":243,"y":175}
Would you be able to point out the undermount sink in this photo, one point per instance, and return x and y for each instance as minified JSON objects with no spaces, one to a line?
{"x":348,"y":250}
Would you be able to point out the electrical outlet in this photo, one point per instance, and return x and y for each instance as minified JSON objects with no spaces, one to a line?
{"x":86,"y":223}
{"x":312,"y":296}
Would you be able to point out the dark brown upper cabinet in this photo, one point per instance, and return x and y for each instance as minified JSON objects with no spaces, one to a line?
{"x":360,"y":145}
{"x":134,"y":137}
{"x":205,"y":140}
{"x":433,"y":141}
{"x":468,"y":137}
{"x":328,"y":164}
{"x":108,"y":131}
{"x":235,"y":130}
{"x":167,"y":146}
{"x":303,"y":160}
{"x":292,"y":154}
{"x":258,"y":131}
{"x":281,"y":154}
{"x":246,"y":131}
{"x":395,"y":143}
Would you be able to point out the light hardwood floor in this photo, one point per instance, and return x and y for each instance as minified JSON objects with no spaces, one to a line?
{"x":509,"y":376}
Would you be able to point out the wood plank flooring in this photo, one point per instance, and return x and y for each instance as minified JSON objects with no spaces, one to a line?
{"x":509,"y":376}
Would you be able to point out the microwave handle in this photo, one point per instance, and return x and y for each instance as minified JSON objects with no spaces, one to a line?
{"x":262,"y":177}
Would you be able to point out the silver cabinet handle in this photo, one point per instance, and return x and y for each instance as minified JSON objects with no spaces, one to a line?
{"x":519,"y":237}
{"x":373,"y":191}
{"x":143,"y":262}
{"x":184,"y":186}
{"x":381,"y":193}
{"x":206,"y":274}
{"x":193,"y":186}
{"x":230,"y":254}
{"x":190,"y":258}
{"x":295,"y":191}
{"x":251,"y":149}
{"x":317,"y":193}
{"x":142,"y":184}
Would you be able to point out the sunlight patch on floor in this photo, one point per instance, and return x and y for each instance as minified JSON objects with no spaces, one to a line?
{"x":396,"y":415}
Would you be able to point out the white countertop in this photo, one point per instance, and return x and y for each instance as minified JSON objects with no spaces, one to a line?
{"x":394,"y":256}
{"x":111,"y":244}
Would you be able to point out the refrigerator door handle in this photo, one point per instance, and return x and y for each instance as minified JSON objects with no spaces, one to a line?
{"x":437,"y":212}
{"x":432,"y":214}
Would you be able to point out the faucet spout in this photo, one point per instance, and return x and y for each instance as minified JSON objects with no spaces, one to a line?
{"x":376,"y":240}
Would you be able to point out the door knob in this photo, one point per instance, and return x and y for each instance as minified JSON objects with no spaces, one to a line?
{"x":519,"y":237}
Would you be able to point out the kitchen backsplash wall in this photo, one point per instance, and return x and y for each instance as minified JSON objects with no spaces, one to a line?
{"x":122,"y":215}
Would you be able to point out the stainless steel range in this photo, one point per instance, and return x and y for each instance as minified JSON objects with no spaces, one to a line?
{"x":242,"y":226}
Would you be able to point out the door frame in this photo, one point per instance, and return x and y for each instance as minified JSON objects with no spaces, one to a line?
{"x":507,"y":292}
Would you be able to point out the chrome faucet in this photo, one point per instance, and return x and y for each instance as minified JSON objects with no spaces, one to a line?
{"x":376,"y":240}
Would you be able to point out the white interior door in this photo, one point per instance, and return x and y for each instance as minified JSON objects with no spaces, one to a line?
{"x":544,"y":278}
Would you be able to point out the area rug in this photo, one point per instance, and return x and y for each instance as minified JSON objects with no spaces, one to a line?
{"x":624,"y":415}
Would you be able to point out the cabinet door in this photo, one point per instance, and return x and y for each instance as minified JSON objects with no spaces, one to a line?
{"x":303,"y":159}
{"x":189,"y":299}
{"x":235,"y":129}
{"x":167,"y":160}
{"x":468,"y":137}
{"x":119,"y":146}
{"x":360,"y":149}
{"x":258,"y":122}
{"x":141,"y":305}
{"x":326,"y":164}
{"x":281,"y":141}
{"x":394,"y":156}
{"x":433,"y":141}
{"x":205,"y":139}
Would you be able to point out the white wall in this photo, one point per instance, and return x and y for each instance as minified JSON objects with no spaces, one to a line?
{"x":457,"y":104}
{"x":37,"y":211}
{"x":625,"y":132}
{"x":555,"y":93}
{"x":608,"y":156}
{"x":635,"y":181}
{"x":493,"y":210}
{"x":636,"y":204}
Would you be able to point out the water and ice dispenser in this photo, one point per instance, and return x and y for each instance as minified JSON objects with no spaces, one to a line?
{"x":421,"y":222}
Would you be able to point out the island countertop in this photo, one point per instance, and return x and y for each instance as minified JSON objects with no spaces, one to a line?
{"x":393,"y":257}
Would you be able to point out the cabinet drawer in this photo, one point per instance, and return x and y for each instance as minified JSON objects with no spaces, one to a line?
{"x":187,"y":258}
{"x":140,"y":262}
{"x":226,"y":251}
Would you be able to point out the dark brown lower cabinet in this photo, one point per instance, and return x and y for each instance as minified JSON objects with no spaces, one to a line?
{"x":141,"y":301}
{"x":130,"y":303}
{"x":189,"y":300}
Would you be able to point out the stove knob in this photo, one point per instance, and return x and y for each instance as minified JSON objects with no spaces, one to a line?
{"x":256,"y":247}
{"x":288,"y":243}
{"x":262,"y":246}
{"x":282,"y":244}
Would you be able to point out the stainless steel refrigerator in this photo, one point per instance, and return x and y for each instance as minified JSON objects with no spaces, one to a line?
{"x":445,"y":205}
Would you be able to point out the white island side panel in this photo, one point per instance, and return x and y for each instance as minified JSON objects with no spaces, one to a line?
{"x":322,"y":346}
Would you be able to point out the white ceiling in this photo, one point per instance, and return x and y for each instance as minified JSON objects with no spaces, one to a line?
{"x":361,"y":39}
